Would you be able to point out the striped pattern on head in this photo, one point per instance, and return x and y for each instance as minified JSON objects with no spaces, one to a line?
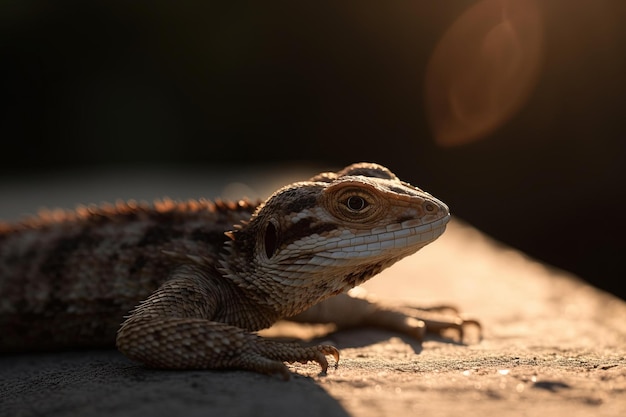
{"x":314,"y":239}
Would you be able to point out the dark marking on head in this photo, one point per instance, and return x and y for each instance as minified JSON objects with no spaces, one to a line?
{"x":302,"y":203}
{"x":404,"y":218}
{"x":304,"y":227}
{"x":297,"y":198}
{"x":400,"y":190}
{"x":246,"y":239}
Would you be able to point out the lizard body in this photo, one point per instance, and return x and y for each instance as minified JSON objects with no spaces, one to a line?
{"x":211,"y":274}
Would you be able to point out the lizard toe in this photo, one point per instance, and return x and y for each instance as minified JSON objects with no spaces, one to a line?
{"x":293,"y":352}
{"x":318,"y":354}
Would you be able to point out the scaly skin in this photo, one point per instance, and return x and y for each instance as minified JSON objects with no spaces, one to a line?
{"x":212,"y":274}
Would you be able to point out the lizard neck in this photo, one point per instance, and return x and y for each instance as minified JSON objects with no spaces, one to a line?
{"x":241,"y":306}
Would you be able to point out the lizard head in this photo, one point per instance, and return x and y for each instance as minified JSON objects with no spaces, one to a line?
{"x":317,"y":238}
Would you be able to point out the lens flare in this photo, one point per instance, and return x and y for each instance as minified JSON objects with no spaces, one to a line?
{"x":483,"y":69}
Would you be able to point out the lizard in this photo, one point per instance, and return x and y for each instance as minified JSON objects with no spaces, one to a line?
{"x":192,"y":282}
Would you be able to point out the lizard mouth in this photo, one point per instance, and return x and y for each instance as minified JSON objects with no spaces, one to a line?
{"x":404,"y":241}
{"x":424,"y":233}
{"x":410,"y":234}
{"x":403,"y":238}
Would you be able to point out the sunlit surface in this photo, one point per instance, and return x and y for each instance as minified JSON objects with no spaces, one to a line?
{"x":483,"y":69}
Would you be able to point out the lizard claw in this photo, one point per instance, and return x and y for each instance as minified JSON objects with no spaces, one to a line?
{"x":274,"y":353}
{"x":324,"y":350}
{"x":317,"y":354}
{"x":438,"y":321}
{"x":416,"y":322}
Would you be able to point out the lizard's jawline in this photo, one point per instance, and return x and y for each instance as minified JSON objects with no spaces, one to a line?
{"x":437,"y":228}
{"x":404,"y":238}
{"x":350,"y":252}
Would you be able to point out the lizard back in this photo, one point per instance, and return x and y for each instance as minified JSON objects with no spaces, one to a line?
{"x":77,"y":273}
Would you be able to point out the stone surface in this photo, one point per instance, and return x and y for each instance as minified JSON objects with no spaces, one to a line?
{"x":552,"y":346}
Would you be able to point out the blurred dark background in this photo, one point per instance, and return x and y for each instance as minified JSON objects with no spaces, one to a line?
{"x":511,"y":111}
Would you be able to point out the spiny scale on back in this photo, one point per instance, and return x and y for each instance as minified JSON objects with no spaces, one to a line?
{"x":68,"y":278}
{"x":224,"y":269}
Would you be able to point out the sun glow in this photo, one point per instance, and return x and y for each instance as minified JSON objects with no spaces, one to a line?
{"x":483,"y":69}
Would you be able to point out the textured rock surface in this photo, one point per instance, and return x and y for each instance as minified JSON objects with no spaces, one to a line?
{"x":552,"y":346}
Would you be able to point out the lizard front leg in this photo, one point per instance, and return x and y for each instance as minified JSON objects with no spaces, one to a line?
{"x":175,"y":328}
{"x":355,"y":309}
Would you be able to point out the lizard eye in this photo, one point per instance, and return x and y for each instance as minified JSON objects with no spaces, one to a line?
{"x":270,"y":240}
{"x":356,"y":203}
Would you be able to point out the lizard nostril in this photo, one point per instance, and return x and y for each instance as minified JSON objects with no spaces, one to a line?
{"x":430,"y":207}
